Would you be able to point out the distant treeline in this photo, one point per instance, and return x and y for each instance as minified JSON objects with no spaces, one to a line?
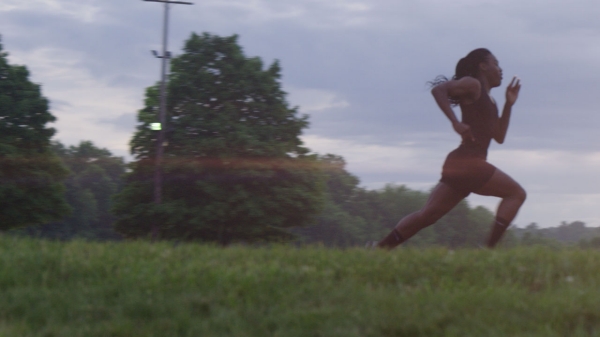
{"x":351,"y":214}
{"x":574,"y":233}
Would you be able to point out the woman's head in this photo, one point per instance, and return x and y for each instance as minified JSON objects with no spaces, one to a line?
{"x":469,"y":65}
{"x":479,"y":63}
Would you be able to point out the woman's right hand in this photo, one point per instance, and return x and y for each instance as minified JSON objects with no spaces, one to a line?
{"x":464,"y":130}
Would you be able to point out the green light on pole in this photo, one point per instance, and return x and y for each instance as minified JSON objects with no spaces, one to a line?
{"x":155,"y":126}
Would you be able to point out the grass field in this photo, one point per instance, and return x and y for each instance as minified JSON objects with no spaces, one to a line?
{"x":142,"y":289}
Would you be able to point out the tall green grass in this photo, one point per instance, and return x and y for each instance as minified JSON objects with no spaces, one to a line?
{"x":143,"y":289}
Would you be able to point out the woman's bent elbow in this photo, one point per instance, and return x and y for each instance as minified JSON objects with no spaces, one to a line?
{"x":437,"y":90}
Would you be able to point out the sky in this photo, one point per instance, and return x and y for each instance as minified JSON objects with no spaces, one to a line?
{"x":358,"y":68}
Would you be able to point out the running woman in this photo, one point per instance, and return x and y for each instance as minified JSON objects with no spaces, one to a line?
{"x":466,"y":170}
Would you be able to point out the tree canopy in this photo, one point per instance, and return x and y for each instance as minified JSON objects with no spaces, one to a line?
{"x":95,"y":176}
{"x":234,"y":168}
{"x":31,"y":175}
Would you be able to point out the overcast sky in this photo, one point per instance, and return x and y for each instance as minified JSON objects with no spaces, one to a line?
{"x":358,"y":68}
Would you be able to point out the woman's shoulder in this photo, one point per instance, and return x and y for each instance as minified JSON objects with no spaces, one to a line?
{"x":469,"y":84}
{"x":466,"y":89}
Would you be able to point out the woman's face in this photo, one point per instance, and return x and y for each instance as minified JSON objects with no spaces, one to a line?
{"x":492,"y":71}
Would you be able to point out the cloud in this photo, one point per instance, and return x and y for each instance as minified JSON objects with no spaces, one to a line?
{"x":315,"y":100}
{"x":401,"y":163}
{"x":546,"y":171}
{"x":82,"y":99}
{"x":57,"y":105}
{"x":84,"y":11}
{"x":334,"y":14}
{"x":561,"y":185}
{"x":125,"y":122}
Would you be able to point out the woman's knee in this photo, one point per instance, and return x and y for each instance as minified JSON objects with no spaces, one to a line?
{"x":520,"y":194}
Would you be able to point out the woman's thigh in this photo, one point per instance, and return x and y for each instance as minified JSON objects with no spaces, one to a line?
{"x":500,"y":185}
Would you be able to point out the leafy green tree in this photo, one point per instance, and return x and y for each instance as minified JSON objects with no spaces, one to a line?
{"x":382,"y":209}
{"x":354,"y":215}
{"x":463,"y":226}
{"x":335,"y":226}
{"x":31,"y":175}
{"x":95,"y":177}
{"x":235,"y":168}
{"x":571,"y":232}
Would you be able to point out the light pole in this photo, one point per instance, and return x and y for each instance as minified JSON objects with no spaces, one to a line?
{"x":165,"y":56}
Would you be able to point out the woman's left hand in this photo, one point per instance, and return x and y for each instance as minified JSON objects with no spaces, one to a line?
{"x":512,"y":91}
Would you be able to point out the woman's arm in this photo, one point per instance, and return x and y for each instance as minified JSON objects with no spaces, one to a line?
{"x":465,"y":88}
{"x":512,"y":93}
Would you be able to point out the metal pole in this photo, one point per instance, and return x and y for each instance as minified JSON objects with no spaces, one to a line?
{"x":163,"y":109}
{"x":162,"y":112}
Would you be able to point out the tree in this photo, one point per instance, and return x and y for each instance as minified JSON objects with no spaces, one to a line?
{"x":95,"y":177}
{"x":382,"y":209}
{"x":335,"y":226}
{"x":31,"y":175}
{"x":571,"y":232}
{"x":235,"y":168}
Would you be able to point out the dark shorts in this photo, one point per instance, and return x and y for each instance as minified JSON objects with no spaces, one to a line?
{"x":466,"y":173}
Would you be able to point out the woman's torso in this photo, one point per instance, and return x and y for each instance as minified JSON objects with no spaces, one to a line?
{"x":481,"y":116}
